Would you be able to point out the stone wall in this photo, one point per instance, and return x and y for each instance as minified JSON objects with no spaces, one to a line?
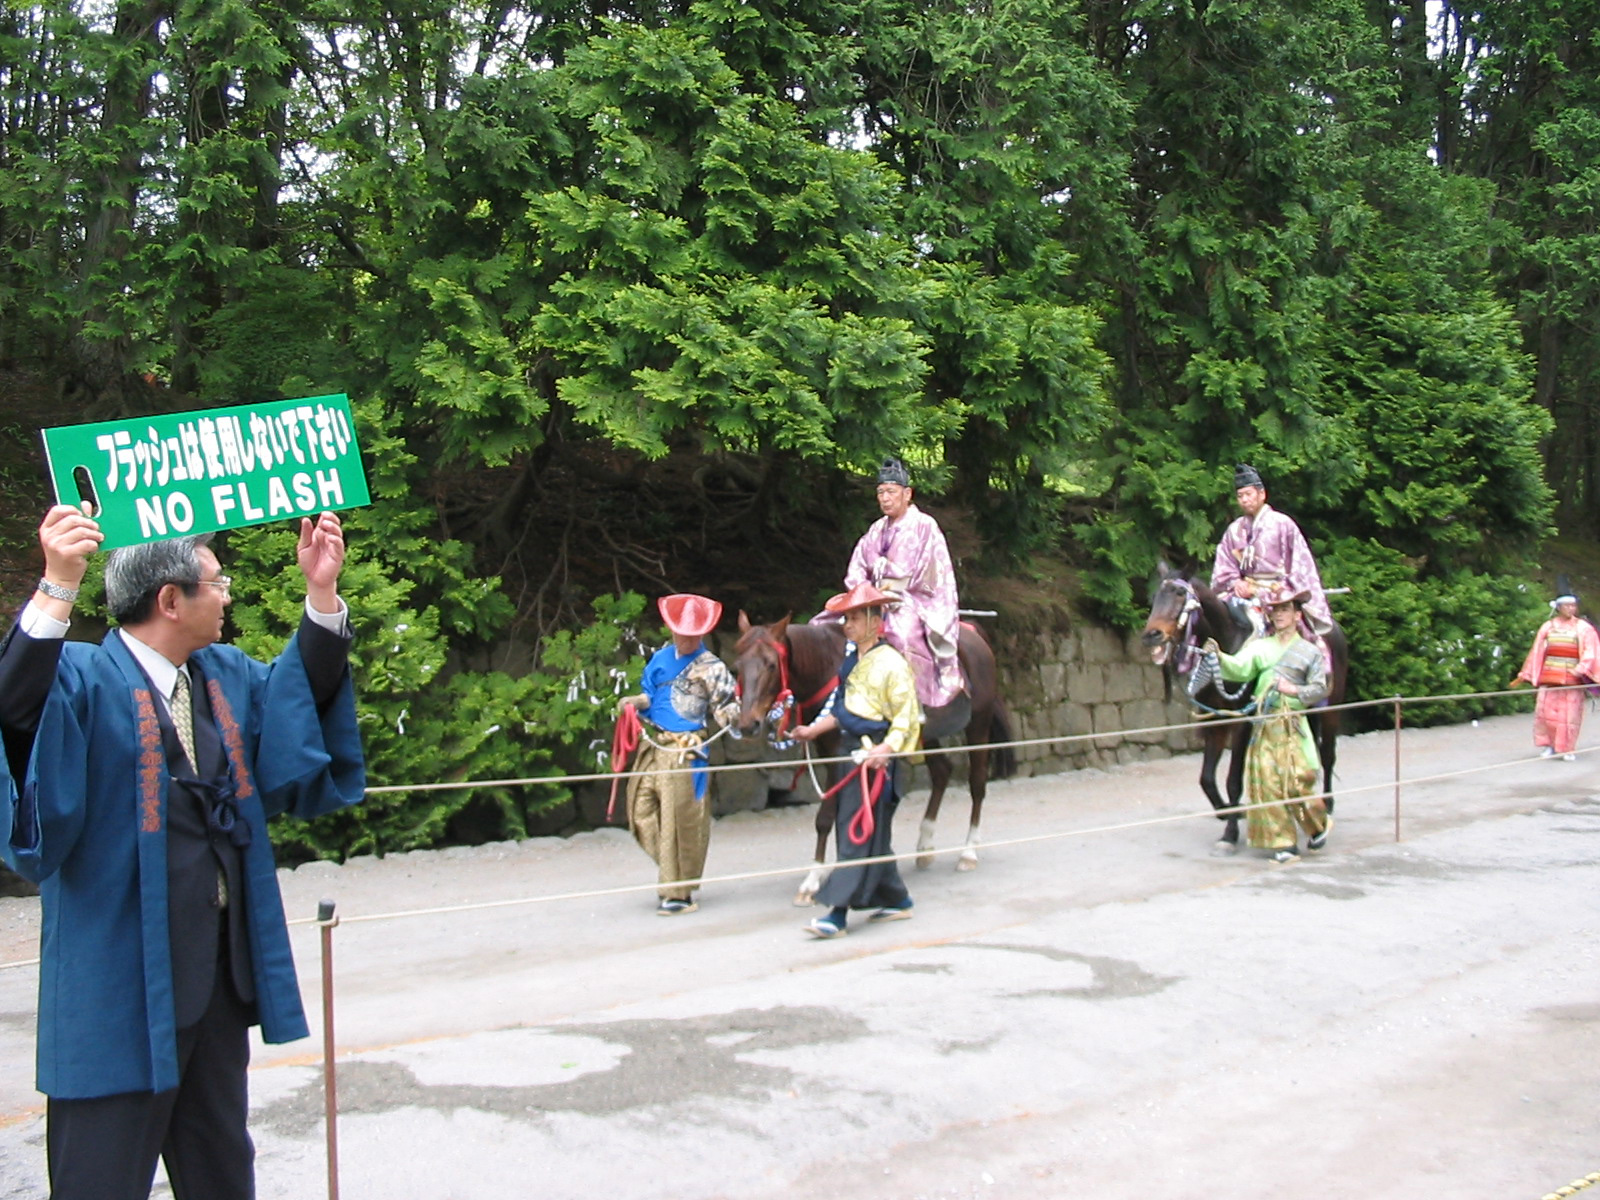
{"x":1088,"y":680}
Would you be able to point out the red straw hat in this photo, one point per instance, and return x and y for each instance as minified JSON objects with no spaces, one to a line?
{"x":689,"y":615}
{"x":863,"y":595}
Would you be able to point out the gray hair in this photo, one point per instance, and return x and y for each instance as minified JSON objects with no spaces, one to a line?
{"x":135,"y":575}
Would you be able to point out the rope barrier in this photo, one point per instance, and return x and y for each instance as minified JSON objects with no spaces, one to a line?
{"x":626,"y":735}
{"x":907,"y":856}
{"x":1577,"y":1185}
{"x":778,"y":872}
{"x":964,"y":748}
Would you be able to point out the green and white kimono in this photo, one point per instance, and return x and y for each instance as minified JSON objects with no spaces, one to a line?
{"x":1282,"y":764}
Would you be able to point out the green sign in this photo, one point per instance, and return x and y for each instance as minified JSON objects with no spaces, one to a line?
{"x":182,"y":473}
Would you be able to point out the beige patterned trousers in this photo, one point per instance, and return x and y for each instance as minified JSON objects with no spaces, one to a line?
{"x":667,"y":821}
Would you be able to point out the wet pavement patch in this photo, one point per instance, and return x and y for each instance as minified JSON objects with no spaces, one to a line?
{"x":1110,"y":978}
{"x":968,"y":1047}
{"x":1340,"y":878}
{"x":1326,"y":888}
{"x":664,"y":1063}
{"x":1571,"y":1012}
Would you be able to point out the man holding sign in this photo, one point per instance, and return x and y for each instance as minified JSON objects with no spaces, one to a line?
{"x":137,"y":781}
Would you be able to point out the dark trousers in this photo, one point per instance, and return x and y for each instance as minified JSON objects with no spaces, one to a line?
{"x":874,"y":885}
{"x":106,"y":1148}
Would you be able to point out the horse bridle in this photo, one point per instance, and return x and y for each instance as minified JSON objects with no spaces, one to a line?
{"x":783,"y":707}
{"x":1188,"y":654}
{"x":1185,"y":652}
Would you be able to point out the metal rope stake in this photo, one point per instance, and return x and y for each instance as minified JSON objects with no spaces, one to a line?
{"x":330,"y":1091}
{"x":1397,"y":768}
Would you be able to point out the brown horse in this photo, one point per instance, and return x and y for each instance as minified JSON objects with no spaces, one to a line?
{"x":1183,"y":614}
{"x":788,"y":671}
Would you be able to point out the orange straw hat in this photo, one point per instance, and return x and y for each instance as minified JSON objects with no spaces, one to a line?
{"x":863,"y":595}
{"x":689,"y":615}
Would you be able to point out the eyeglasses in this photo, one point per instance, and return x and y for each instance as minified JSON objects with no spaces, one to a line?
{"x":225,"y":582}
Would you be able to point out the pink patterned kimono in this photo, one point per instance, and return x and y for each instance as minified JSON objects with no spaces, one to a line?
{"x":1270,"y":545}
{"x":1565,"y":651}
{"x":909,"y":557}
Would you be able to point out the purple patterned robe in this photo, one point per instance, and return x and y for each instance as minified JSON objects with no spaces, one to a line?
{"x":1271,"y":545}
{"x":910,"y":558}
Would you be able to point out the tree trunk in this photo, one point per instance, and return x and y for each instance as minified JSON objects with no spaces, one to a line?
{"x":99,"y":366}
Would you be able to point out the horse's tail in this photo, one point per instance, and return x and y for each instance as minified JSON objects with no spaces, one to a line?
{"x":1003,"y":758}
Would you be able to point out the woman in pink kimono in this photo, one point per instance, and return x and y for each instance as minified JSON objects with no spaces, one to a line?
{"x":904,"y":554}
{"x":1566,"y":651}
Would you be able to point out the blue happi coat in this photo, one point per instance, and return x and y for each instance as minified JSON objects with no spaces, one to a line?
{"x":96,"y":845}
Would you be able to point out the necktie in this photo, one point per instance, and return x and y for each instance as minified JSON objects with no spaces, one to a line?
{"x":183,"y":722}
{"x":183,"y":716}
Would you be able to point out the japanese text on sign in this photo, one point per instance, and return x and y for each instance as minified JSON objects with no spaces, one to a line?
{"x":199,"y":472}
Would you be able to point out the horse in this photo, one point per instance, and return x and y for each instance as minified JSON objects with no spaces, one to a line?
{"x":1184,"y":613}
{"x":789,"y":671}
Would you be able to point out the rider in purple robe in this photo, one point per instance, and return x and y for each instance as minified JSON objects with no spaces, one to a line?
{"x":904,"y":554}
{"x":1265,"y":547}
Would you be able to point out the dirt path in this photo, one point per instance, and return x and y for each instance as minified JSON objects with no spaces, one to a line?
{"x":1101,"y":1014}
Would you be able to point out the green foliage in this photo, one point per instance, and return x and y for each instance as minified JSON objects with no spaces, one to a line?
{"x":424,"y":716}
{"x":1334,"y":322}
{"x":1565,"y":306}
{"x":1520,"y":80}
{"x":722,"y":275}
{"x":1003,"y":134}
{"x":1017,"y":242}
{"x":1440,"y":446}
{"x":1411,"y":635}
{"x":1245,"y":119}
{"x":422,"y":722}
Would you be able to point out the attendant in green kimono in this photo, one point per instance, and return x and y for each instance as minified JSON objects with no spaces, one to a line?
{"x":1282,"y":766}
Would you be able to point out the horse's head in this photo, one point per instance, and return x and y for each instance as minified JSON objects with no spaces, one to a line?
{"x":759,"y":666}
{"x":1170,"y":607}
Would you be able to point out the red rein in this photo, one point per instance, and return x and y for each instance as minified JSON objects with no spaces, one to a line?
{"x":863,"y":823}
{"x":784,"y":699}
{"x":624,"y":741}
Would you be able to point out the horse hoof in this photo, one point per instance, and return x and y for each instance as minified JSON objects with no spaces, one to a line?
{"x":1224,"y":849}
{"x":967,"y":862}
{"x":924,"y":861}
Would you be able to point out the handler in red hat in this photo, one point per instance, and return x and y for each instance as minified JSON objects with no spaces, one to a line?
{"x":684,"y":684}
{"x":875,"y":705}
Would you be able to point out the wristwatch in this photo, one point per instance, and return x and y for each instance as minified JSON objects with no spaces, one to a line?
{"x":56,"y":592}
